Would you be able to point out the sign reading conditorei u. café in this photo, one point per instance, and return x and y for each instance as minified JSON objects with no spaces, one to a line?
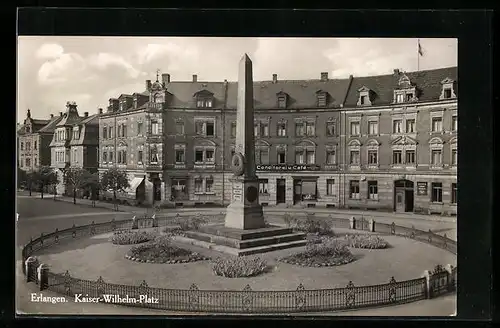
{"x":422,"y":188}
{"x":288,"y":167}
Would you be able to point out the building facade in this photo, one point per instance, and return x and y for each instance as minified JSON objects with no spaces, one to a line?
{"x":74,"y":143}
{"x":34,"y":136}
{"x":380,"y":142}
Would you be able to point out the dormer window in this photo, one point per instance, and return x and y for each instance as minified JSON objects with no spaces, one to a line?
{"x":204,"y":99}
{"x":405,"y":91}
{"x":364,"y":96}
{"x":322,"y":98}
{"x":282,"y":99}
{"x":204,"y":103}
{"x":447,"y":91}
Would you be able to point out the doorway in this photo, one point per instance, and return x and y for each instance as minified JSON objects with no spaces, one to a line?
{"x":297,"y":191}
{"x":156,"y":189}
{"x":403,"y":196}
{"x":280,"y":191}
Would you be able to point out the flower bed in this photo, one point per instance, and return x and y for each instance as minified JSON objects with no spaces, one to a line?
{"x":161,"y":250}
{"x":310,"y":225}
{"x":330,"y":252}
{"x":128,"y":237}
{"x":366,"y":241}
{"x":239,"y":267}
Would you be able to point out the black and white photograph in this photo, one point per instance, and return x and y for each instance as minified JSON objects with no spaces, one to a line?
{"x":236,"y":176}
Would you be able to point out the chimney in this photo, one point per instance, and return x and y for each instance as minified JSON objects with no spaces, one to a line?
{"x":86,"y":114}
{"x":195,"y":78}
{"x":275,"y":78}
{"x":99,"y":110}
{"x":324,"y":76}
{"x":60,"y":114}
{"x":51,"y":115}
{"x":148,"y":85}
{"x":396,"y":71}
{"x":165,"y":78}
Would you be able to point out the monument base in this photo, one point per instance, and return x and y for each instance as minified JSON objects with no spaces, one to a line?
{"x":241,"y":242}
{"x":240,"y":216}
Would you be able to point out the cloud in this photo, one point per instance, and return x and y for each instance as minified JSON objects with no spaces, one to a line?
{"x":49,"y":51}
{"x":61,"y":69}
{"x":175,"y":56}
{"x":124,"y":88}
{"x":104,"y":60}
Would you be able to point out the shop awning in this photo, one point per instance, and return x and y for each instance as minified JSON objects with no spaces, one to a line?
{"x":133,"y":185}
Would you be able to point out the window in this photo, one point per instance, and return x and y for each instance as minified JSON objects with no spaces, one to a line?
{"x":437,"y":124}
{"x":104,"y":157}
{"x":262,"y":156}
{"x":330,"y":157}
{"x":310,"y":157}
{"x":330,"y":187}
{"x":204,"y":156}
{"x":397,"y":126}
{"x":154,"y":127}
{"x":140,"y":157}
{"x":198,"y":156}
{"x":322,"y":100}
{"x":28,"y":161}
{"x":372,"y":157}
{"x":454,"y":157}
{"x":179,"y":128}
{"x":399,"y":98}
{"x":373,"y":128}
{"x":22,"y":145}
{"x":373,"y":190}
{"x":299,"y":157}
{"x":110,"y":157}
{"x":124,"y":130}
{"x":28,"y":129}
{"x":36,"y":161}
{"x":124,"y":157}
{"x":203,"y":128}
{"x":209,"y":184}
{"x":436,"y":157}
{"x":28,"y":145}
{"x":355,"y":131}
{"x":34,"y":145}
{"x":410,"y":157}
{"x":139,"y":128}
{"x":447,"y":93}
{"x":453,"y":193}
{"x":120,"y":130}
{"x":310,"y":129}
{"x":75,"y":156}
{"x":397,"y":157}
{"x":281,"y":129}
{"x":281,"y":157}
{"x":454,"y":123}
{"x":354,"y":159}
{"x":233,"y":130}
{"x":330,"y":129}
{"x":354,"y":189}
{"x":362,"y":100}
{"x":256,"y":130}
{"x":299,"y":129}
{"x":209,"y":155}
{"x":263,"y":186}
{"x":409,"y":97}
{"x":198,"y":185}
{"x":180,"y":156}
{"x":437,"y":192}
{"x":204,"y":103}
{"x":264,"y":129}
{"x":282,"y":102}
{"x":410,"y":126}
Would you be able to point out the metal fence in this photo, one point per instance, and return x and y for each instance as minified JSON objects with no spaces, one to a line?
{"x":435,"y":283}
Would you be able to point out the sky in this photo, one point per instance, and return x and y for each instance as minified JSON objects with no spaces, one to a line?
{"x":52,"y":70}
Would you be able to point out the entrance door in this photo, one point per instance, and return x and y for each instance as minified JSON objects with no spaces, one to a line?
{"x":400,"y":200}
{"x":280,"y":191}
{"x":409,"y":200}
{"x":157,"y":189}
{"x":297,"y":191}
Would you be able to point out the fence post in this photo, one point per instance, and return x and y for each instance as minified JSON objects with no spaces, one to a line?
{"x":427,"y":276}
{"x":451,"y":278}
{"x":30,"y":265}
{"x":43,"y":276}
{"x":352,"y":223}
{"x":371,"y":225}
{"x":135,"y":223}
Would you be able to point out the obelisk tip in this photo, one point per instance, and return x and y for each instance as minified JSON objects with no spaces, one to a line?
{"x":245,"y":58}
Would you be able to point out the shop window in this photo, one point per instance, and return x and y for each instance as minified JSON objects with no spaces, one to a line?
{"x":437,"y":192}
{"x":309,"y":190}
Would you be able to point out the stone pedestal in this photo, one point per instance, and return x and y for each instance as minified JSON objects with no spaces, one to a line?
{"x":245,"y":212}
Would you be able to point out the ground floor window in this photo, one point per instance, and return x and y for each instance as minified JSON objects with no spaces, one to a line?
{"x":179,"y":189}
{"x":437,"y":192}
{"x":373,"y":190}
{"x":198,"y":185}
{"x":453,"y":193}
{"x":305,"y":190}
{"x":354,"y":189}
{"x":263,"y":186}
{"x":330,"y":187}
{"x":209,"y":184}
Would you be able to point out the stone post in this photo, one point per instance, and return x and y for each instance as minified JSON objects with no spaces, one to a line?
{"x":135,"y":224}
{"x":371,"y":225}
{"x":155,"y":221}
{"x":428,"y":287}
{"x":352,"y":223}
{"x":43,"y":276}
{"x":30,"y":265}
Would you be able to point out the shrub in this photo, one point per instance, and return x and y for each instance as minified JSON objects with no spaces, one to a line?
{"x":366,"y":241}
{"x":162,"y":250}
{"x":239,"y":267}
{"x":191,"y":223}
{"x":312,"y":225}
{"x":129,"y":237}
{"x":329,"y":253}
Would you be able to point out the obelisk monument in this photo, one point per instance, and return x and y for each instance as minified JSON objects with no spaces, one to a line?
{"x":245,"y":211}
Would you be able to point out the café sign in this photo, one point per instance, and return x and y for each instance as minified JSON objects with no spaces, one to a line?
{"x":288,"y":167}
{"x":422,"y":188}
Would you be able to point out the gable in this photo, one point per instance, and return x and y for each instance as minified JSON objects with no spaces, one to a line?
{"x":404,"y":140}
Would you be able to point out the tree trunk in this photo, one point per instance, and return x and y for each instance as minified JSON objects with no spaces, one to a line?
{"x":55,"y":192}
{"x":74,"y":196}
{"x":29,"y":187}
{"x":114,"y":201}
{"x":41,"y":191}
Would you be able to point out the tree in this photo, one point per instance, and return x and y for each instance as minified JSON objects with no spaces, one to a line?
{"x":94,"y":185}
{"x":116,"y":180}
{"x":21,"y":178}
{"x":77,"y":177}
{"x":45,"y":176}
{"x":31,"y":179}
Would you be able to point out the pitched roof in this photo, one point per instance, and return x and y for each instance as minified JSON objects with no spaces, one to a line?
{"x":51,"y":126}
{"x":427,"y":82}
{"x":183,"y":93}
{"x":92,"y":119}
